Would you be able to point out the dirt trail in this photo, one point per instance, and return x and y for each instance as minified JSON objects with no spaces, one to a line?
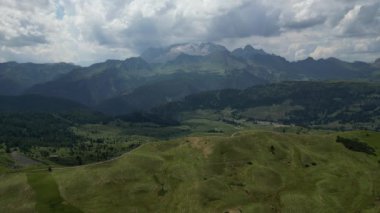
{"x":85,"y":165}
{"x":201,"y":145}
{"x":22,"y":160}
{"x":234,"y":134}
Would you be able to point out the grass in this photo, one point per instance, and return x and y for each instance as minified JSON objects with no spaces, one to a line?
{"x":47,"y":196}
{"x":5,"y":161}
{"x":205,"y":127}
{"x":369,"y":137}
{"x":254,"y":170}
{"x":15,"y":194}
{"x":271,"y":113}
{"x":306,"y":173}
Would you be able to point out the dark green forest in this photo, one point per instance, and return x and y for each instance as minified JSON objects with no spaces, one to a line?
{"x":313,"y":103}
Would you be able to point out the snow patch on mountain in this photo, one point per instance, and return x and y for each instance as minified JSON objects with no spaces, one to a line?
{"x":163,"y":55}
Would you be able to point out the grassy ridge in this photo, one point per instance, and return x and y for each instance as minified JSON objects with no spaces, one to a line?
{"x":248,"y":171}
{"x":302,"y":173}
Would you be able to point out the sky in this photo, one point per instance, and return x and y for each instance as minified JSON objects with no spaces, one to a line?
{"x":88,"y":31}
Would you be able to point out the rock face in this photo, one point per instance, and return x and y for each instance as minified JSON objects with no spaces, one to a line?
{"x":377,"y":63}
{"x":163,"y":55}
{"x":248,"y":52}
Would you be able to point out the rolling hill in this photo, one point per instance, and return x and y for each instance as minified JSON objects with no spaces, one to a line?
{"x":251,"y":171}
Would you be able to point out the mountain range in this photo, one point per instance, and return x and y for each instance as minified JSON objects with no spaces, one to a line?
{"x":162,"y":75}
{"x":15,"y":78}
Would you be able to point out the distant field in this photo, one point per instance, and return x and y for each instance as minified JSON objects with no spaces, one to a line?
{"x":5,"y":161}
{"x":248,"y":171}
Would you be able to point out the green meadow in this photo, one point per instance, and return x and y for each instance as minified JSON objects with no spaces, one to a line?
{"x":254,"y":170}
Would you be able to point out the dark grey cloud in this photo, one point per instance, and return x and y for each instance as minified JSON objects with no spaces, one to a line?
{"x":23,"y":40}
{"x":249,"y":19}
{"x":143,"y":34}
{"x":101,"y":36}
{"x":361,"y":20}
{"x":298,"y":25}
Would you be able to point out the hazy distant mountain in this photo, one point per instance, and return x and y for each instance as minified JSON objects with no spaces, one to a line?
{"x":264,"y":65}
{"x":377,"y":63}
{"x":111,"y":79}
{"x":175,"y":87}
{"x":98,"y":82}
{"x":217,"y":62}
{"x":16,"y":77}
{"x":248,"y":52}
{"x":278,"y":68}
{"x":331,"y":69}
{"x":163,"y":55}
{"x":35,"y":103}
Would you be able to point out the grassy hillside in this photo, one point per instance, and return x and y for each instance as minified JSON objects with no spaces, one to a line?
{"x":248,"y":171}
{"x":16,"y":194}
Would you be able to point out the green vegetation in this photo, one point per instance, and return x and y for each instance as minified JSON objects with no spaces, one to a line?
{"x":303,"y":173}
{"x":52,"y":137}
{"x":99,"y":142}
{"x":27,"y":130}
{"x":48,"y":198}
{"x":355,"y":145}
{"x":252,"y":170}
{"x":16,"y":195}
{"x":5,"y":159}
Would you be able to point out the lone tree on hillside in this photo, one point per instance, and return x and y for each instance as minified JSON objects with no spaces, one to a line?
{"x":272,"y":149}
{"x":79,"y":160}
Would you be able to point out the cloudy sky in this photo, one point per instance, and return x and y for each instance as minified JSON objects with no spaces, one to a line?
{"x":88,"y":31}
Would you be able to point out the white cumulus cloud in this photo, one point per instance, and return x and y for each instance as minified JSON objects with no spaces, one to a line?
{"x":88,"y":31}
